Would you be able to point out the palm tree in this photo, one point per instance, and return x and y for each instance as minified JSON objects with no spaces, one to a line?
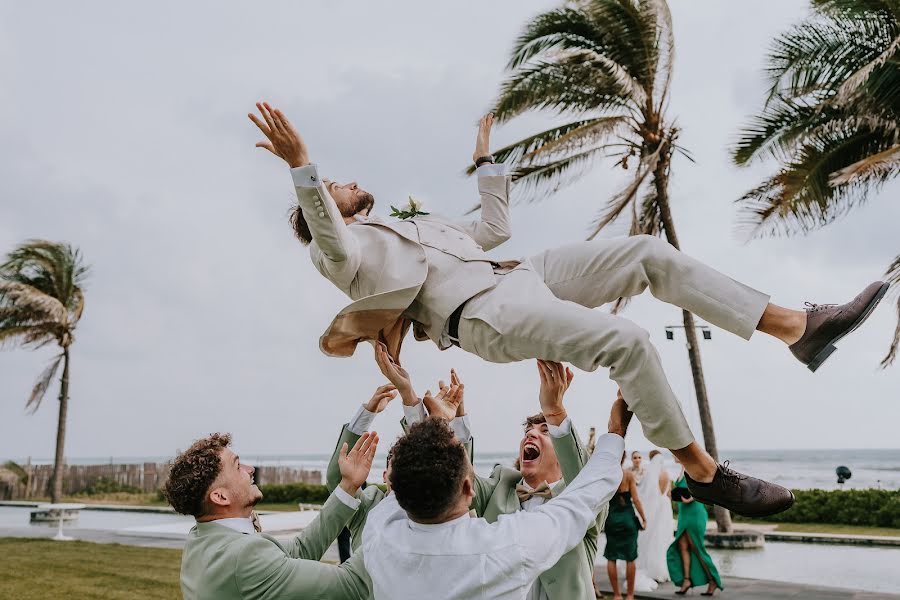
{"x":831,"y":120}
{"x":605,"y":66}
{"x":41,"y":301}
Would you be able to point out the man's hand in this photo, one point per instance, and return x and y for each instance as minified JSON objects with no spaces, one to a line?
{"x":396,"y":374}
{"x":446,"y":403}
{"x":619,"y":416}
{"x":283,"y":140}
{"x":483,"y":141}
{"x":454,"y":380}
{"x":356,"y":464}
{"x":380,"y":399}
{"x":555,"y":380}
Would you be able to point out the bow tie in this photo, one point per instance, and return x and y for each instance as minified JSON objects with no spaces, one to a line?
{"x":525,"y":493}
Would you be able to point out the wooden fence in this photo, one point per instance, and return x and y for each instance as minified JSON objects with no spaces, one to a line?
{"x":146,"y":477}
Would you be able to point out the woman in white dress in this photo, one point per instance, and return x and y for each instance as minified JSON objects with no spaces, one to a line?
{"x":653,"y":542}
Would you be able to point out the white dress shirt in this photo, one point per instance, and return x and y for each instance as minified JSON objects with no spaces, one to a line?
{"x":362,"y":421}
{"x":467,"y":559}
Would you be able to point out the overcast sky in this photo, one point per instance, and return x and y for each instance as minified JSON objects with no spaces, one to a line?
{"x":125,"y":133}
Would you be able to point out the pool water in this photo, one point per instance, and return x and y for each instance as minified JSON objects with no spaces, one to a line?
{"x":16,"y":516}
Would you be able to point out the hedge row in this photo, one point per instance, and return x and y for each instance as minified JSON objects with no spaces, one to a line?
{"x":308,"y":493}
{"x":874,"y":508}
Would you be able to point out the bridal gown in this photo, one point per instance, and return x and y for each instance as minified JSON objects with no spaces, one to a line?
{"x":658,"y":535}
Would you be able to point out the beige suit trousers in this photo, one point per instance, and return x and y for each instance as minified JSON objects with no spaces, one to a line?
{"x":543,"y":309}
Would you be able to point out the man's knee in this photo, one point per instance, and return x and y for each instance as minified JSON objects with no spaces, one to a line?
{"x":652,"y":248}
{"x":633,"y":344}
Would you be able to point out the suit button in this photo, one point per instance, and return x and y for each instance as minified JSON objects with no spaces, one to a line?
{"x":318,"y":203}
{"x":321,"y":214}
{"x":312,"y":177}
{"x":422,"y":258}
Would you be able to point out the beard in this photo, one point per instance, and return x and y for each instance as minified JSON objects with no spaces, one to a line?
{"x":363,"y":201}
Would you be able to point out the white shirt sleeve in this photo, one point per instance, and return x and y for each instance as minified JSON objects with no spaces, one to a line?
{"x":561,"y":430}
{"x":307,"y":176}
{"x":460,"y":427}
{"x":361,"y":421}
{"x":552,"y":529}
{"x":414,"y":414}
{"x":491,"y":170}
{"x":346,"y":498}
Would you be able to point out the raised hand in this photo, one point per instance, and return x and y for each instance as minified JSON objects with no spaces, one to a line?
{"x":282,"y":139}
{"x":356,"y":464}
{"x":619,"y":416}
{"x":446,"y":403}
{"x":454,"y":379}
{"x":382,"y":396}
{"x":483,"y":141}
{"x":555,"y":380}
{"x":396,"y":374}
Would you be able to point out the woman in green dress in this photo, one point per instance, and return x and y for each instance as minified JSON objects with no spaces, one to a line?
{"x":689,"y":562}
{"x":621,"y":530}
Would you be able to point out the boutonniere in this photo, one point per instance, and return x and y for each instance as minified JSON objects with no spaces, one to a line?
{"x":413,"y":209}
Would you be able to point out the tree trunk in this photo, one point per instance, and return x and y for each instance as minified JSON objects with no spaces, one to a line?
{"x":56,"y":491}
{"x":661,"y":182}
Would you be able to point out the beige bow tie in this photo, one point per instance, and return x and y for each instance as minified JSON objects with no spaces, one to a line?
{"x":524,"y":493}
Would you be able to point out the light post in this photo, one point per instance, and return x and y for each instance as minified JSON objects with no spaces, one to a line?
{"x":722,"y":516}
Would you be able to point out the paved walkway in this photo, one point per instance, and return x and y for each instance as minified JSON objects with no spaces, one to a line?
{"x":737,"y":588}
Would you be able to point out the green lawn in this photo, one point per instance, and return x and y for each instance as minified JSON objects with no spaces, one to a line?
{"x":39,"y":569}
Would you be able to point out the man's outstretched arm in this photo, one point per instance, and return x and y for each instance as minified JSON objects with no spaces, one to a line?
{"x":493,"y":186}
{"x":334,"y":249}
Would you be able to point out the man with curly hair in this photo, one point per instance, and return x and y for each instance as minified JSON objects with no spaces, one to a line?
{"x":225,"y":558}
{"x":422,"y":533}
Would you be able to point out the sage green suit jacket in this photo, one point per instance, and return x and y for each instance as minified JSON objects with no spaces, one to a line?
{"x":572,"y":577}
{"x":368,"y":497}
{"x":223,"y":564}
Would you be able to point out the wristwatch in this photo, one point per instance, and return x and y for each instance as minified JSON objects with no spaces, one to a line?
{"x":484,"y":159}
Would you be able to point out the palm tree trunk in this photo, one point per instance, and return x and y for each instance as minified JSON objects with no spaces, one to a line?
{"x":56,"y":491}
{"x":661,"y":182}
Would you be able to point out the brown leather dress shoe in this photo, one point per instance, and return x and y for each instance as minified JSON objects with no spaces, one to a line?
{"x":827,"y":323}
{"x":741,"y":494}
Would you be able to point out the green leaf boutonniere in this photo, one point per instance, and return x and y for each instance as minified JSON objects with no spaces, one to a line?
{"x":413,"y":209}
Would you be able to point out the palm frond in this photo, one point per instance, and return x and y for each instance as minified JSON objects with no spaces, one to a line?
{"x":41,"y":385}
{"x":17,"y":470}
{"x":562,"y":28}
{"x":537,"y":181}
{"x":852,"y":85}
{"x":626,"y":197}
{"x":879,"y":166}
{"x":799,"y":198}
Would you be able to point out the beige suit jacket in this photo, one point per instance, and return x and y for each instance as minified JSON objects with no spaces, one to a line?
{"x":382,"y":267}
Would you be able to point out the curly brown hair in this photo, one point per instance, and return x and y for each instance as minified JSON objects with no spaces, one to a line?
{"x":428,"y":466}
{"x":534,"y":420}
{"x":193,"y":471}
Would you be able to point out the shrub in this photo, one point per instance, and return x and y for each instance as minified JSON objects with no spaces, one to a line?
{"x":872,"y":508}
{"x":104,"y":485}
{"x":309,"y":493}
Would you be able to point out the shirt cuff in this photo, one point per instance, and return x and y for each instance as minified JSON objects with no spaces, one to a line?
{"x":491,"y":170}
{"x":306,"y":176}
{"x":414,"y":414}
{"x":612,"y":443}
{"x":561,"y":430}
{"x":361,"y":421}
{"x":460,"y":427}
{"x":346,"y":498}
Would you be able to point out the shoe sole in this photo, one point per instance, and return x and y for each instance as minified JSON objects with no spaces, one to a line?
{"x":829,"y":348}
{"x":754,"y":514}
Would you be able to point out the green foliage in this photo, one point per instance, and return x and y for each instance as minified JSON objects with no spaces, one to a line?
{"x":105,"y":485}
{"x":310,"y":493}
{"x":831,"y":120}
{"x":873,"y":508}
{"x":17,"y":470}
{"x":605,"y":66}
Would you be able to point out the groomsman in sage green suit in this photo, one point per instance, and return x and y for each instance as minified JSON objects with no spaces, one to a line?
{"x":225,"y":558}
{"x":550,"y":455}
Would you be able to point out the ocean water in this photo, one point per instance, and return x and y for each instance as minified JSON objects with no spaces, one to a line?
{"x":798,"y":469}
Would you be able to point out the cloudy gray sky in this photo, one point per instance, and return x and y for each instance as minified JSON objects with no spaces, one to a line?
{"x":124,"y":132}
